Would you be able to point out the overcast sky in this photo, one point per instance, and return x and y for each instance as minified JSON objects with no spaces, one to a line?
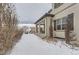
{"x":31,"y":12}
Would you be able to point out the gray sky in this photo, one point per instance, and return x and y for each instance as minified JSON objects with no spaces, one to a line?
{"x":31,"y":12}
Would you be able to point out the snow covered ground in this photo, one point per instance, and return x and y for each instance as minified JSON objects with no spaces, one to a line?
{"x":33,"y":45}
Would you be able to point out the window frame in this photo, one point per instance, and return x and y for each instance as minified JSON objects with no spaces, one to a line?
{"x":64,"y":22}
{"x":41,"y":28}
{"x":72,"y":18}
{"x":58,"y":23}
{"x":65,"y":18}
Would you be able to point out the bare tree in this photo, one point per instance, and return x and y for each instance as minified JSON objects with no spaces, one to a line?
{"x":9,"y":30}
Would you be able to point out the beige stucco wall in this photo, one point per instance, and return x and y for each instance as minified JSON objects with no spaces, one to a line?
{"x":47,"y":25}
{"x":42,"y":35}
{"x":45,"y":20}
{"x":62,"y":7}
{"x":73,"y":9}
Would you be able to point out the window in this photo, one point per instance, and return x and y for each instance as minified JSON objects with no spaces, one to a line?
{"x":42,"y":28}
{"x":58,"y":24}
{"x":56,"y":5}
{"x":55,"y":25}
{"x":64,"y":20}
{"x":70,"y":20}
{"x":37,"y":28}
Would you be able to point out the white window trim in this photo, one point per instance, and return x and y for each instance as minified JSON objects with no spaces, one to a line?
{"x":59,"y":24}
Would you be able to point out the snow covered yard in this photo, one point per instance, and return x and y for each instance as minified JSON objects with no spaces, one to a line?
{"x":34,"y":45}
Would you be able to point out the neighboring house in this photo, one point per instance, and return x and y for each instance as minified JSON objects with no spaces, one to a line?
{"x":25,"y":28}
{"x":43,"y":24}
{"x":61,"y":12}
{"x":64,"y":12}
{"x":32,"y":30}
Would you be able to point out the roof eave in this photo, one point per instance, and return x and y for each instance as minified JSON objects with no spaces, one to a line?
{"x":45,"y":15}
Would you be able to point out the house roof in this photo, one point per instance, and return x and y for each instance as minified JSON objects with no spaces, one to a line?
{"x":49,"y":10}
{"x":45,"y":15}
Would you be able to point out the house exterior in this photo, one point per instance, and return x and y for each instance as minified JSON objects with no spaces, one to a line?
{"x":32,"y":29}
{"x":62,"y":12}
{"x":43,"y":24}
